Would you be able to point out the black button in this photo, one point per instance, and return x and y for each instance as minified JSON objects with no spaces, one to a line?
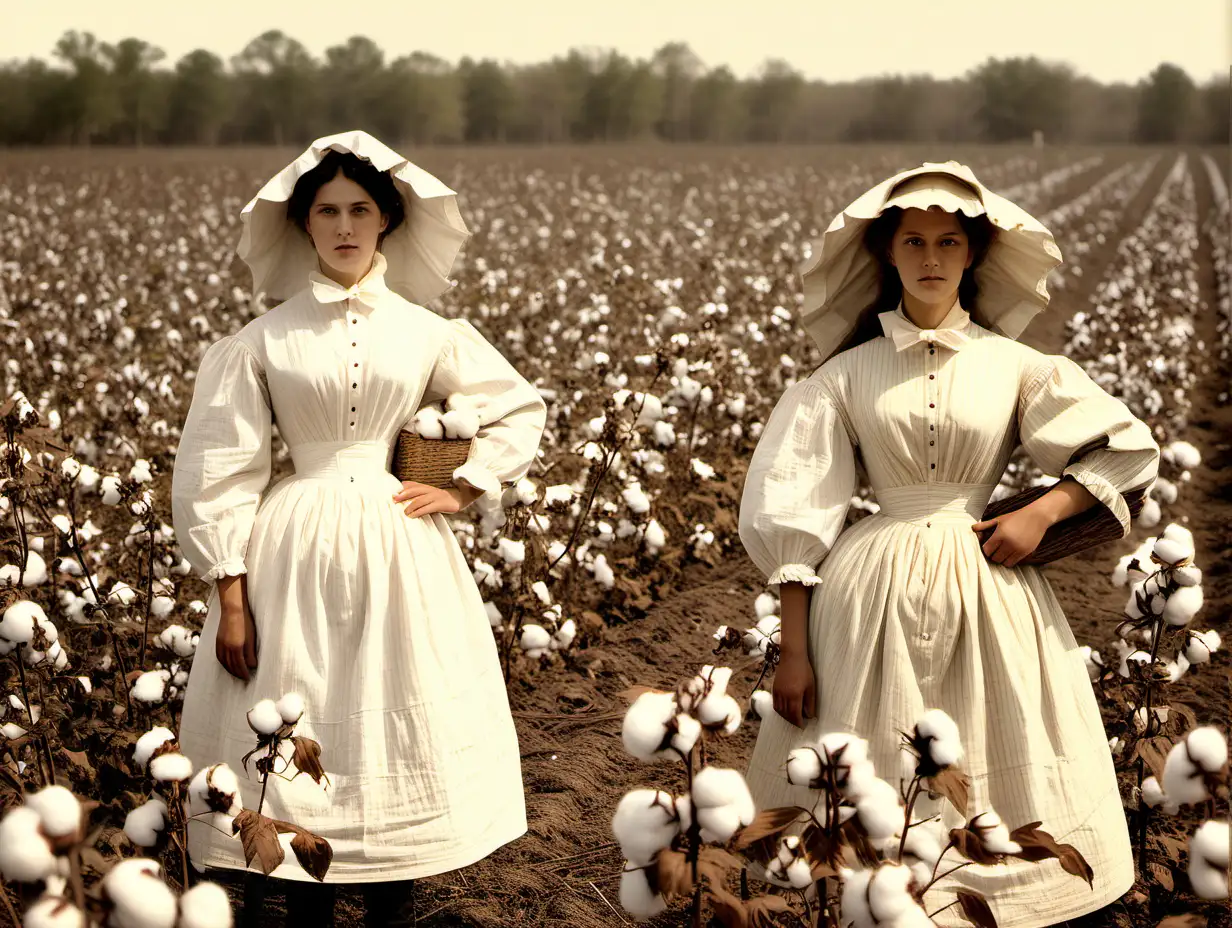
{"x":354,"y":386}
{"x":932,"y":405}
{"x":352,"y":409}
{"x":354,"y":322}
{"x":928,"y":525}
{"x":352,"y":480}
{"x":932,"y":376}
{"x":931,"y":427}
{"x":933,"y":466}
{"x":356,"y":364}
{"x":932,"y":442}
{"x":352,"y":344}
{"x":352,"y":425}
{"x":932,"y":351}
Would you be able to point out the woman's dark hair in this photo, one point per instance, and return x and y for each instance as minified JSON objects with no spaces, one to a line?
{"x":878,"y":238}
{"x":378,"y":185}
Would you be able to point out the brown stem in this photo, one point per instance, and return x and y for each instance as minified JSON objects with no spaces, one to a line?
{"x":149,"y":585}
{"x":955,"y":869}
{"x":8,"y":906}
{"x":266,"y":774}
{"x":943,"y":908}
{"x":74,"y":878}
{"x":912,"y":793}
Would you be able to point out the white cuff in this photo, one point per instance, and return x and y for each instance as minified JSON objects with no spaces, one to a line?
{"x":1103,"y":491}
{"x":797,"y":573}
{"x":481,"y":479}
{"x":230,"y":568}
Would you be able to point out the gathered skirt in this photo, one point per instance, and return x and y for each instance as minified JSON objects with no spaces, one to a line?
{"x":911,"y":615}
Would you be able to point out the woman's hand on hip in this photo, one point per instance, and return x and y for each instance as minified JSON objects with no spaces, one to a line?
{"x":795,"y":689}
{"x":425,"y":499}
{"x":1015,"y":535}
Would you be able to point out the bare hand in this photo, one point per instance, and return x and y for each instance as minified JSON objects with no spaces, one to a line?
{"x":1015,"y":535}
{"x":425,"y":499}
{"x":795,"y":689}
{"x":236,"y":643}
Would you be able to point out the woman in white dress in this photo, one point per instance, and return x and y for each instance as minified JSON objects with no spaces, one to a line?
{"x":916,"y":295}
{"x":340,"y":583}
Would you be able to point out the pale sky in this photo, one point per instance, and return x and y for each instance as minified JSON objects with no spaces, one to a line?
{"x":1109,"y":40}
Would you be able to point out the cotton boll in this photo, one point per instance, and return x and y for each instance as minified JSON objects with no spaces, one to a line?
{"x":58,"y":809}
{"x":645,"y":724}
{"x":19,"y":621}
{"x":147,"y":743}
{"x":25,"y":855}
{"x":171,"y":768}
{"x":1185,"y":454}
{"x":161,"y":606}
{"x":427,"y":423}
{"x":799,"y":873}
{"x":1177,"y":668}
{"x":922,"y":844}
{"x":1189,"y":575}
{"x":888,"y":896}
{"x":664,"y":434}
{"x":525,"y":491}
{"x":941,"y":732}
{"x":604,"y":574}
{"x":1201,"y":645}
{"x":143,"y":824}
{"x":1152,"y":792}
{"x":1207,"y":748}
{"x":762,"y":703}
{"x":122,"y":593}
{"x":803,"y":766}
{"x":655,"y":538}
{"x":765,"y":605}
{"x":644,"y":823}
{"x":151,"y":686}
{"x":51,"y":910}
{"x":290,"y":708}
{"x":559,"y":495}
{"x":494,"y":615}
{"x":264,"y":718}
{"x":460,"y":423}
{"x":722,"y":803}
{"x":722,"y":711}
{"x":854,"y":901}
{"x":178,"y":639}
{"x":1183,"y":605}
{"x":215,"y":789}
{"x":1171,"y":551}
{"x":540,"y":589}
{"x":879,"y":811}
{"x":110,"y":490}
{"x":534,"y":637}
{"x":994,"y":835}
{"x":1208,"y":860}
{"x":511,"y":552}
{"x":635,"y":895}
{"x":206,"y":905}
{"x":635,"y":498}
{"x":140,"y":897}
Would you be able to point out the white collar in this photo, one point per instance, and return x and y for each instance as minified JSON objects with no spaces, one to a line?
{"x":949,"y":332}
{"x":368,"y":290}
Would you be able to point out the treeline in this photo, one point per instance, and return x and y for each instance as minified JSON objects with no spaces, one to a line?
{"x":275,"y":92}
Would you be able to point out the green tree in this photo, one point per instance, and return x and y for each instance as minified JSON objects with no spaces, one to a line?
{"x":275,"y":83}
{"x":352,"y":83}
{"x":200,"y":100}
{"x":1216,"y":106}
{"x":487,"y":100}
{"x":772,"y":100}
{"x":1018,"y":96}
{"x":716,"y":109}
{"x":422,"y":102}
{"x":140,"y":93}
{"x":88,"y":103}
{"x":678,"y":68}
{"x":1165,"y":103}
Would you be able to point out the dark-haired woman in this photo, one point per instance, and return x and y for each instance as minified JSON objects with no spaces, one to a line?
{"x":916,"y":295}
{"x":340,"y":583}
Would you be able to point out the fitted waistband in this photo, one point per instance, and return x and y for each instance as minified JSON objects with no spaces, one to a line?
{"x":341,"y":459}
{"x":933,"y":503}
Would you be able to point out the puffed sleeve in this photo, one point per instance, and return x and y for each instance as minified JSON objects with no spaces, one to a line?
{"x":512,"y":414}
{"x":799,"y":485}
{"x":1071,"y":427}
{"x":222,"y":464}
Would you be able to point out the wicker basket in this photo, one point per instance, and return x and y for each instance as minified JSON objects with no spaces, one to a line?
{"x":430,"y":461}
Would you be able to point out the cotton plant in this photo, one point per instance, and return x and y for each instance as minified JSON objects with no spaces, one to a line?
{"x":211,"y":796}
{"x":43,"y":840}
{"x":761,"y":640}
{"x":861,"y":831}
{"x":30,"y":639}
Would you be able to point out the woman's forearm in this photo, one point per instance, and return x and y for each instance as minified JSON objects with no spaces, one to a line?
{"x":794,"y":611}
{"x":1067,"y":498}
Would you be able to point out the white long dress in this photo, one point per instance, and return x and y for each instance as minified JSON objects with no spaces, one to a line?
{"x":908,"y":614}
{"x":372,"y":616}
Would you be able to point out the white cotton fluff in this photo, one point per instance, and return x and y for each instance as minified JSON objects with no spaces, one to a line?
{"x":1208,"y":748}
{"x":994,"y":834}
{"x":19,"y":621}
{"x":264,"y":718}
{"x":664,"y":434}
{"x":604,"y":575}
{"x":1189,"y":575}
{"x":651,"y":408}
{"x":122,"y":593}
{"x":722,"y":803}
{"x":655,"y":537}
{"x":635,"y":895}
{"x":688,"y":730}
{"x":1201,"y":645}
{"x":215,"y":789}
{"x":1208,"y":860}
{"x":290,"y":708}
{"x":147,"y":743}
{"x":140,"y":897}
{"x":143,"y":824}
{"x":151,"y":686}
{"x":1183,"y":605}
{"x":723,"y":711}
{"x":1152,"y":792}
{"x":645,"y":725}
{"x":765,"y":605}
{"x":525,"y":491}
{"x":109,"y":487}
{"x":178,"y":639}
{"x":945,"y":746}
{"x":512,"y":552}
{"x":25,"y":855}
{"x":644,"y":823}
{"x":798,"y":873}
{"x":1184,"y":454}
{"x":427,"y":423}
{"x":635,"y":498}
{"x":206,"y":905}
{"x":534,"y":638}
{"x":702,"y":469}
{"x":922,"y":843}
{"x":878,"y":810}
{"x":540,"y":589}
{"x":58,"y":809}
{"x":560,"y":494}
{"x":52,"y":910}
{"x":171,"y":768}
{"x":1177,"y":668}
{"x":762,"y":703}
{"x":1171,"y":551}
{"x":564,"y":635}
{"x":803,"y":766}
{"x":854,"y":900}
{"x":460,"y":423}
{"x":140,"y":471}
{"x":1094,"y":663}
{"x":162,"y":606}
{"x":34,"y":574}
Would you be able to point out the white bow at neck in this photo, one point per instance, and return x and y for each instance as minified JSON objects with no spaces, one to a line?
{"x":951,"y":331}
{"x":368,"y":290}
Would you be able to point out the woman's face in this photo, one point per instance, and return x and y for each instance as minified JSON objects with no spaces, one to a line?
{"x":345,"y":226}
{"x":930,"y":251}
